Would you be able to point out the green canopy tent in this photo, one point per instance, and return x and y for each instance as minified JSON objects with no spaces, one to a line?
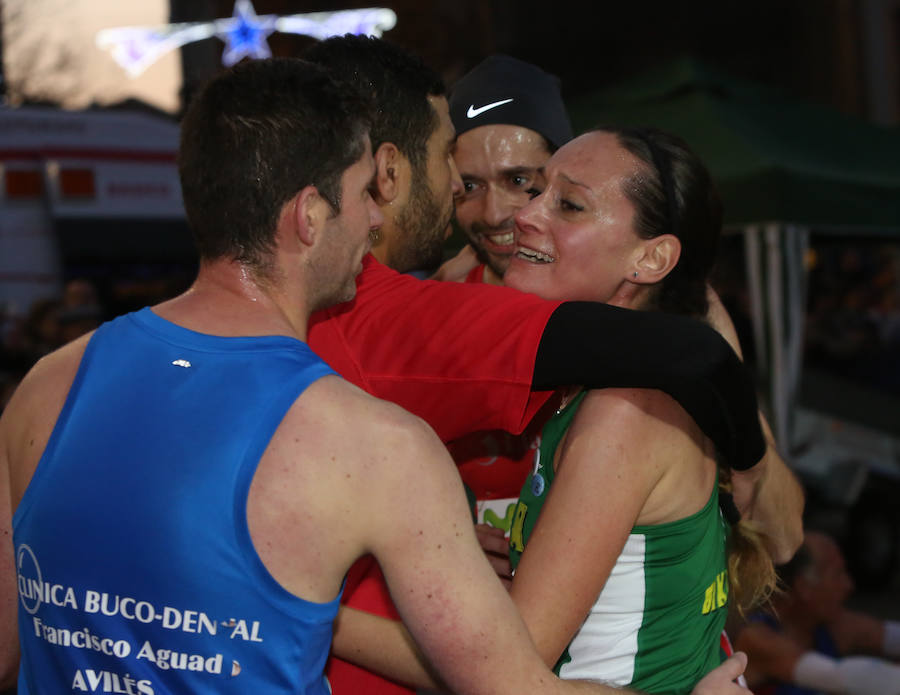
{"x":785,"y":169}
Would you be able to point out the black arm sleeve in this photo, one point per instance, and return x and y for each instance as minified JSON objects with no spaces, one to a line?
{"x":599,"y":346}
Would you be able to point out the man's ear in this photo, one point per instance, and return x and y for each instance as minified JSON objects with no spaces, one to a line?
{"x":659,"y":257}
{"x":310,"y":211}
{"x":391,"y":170}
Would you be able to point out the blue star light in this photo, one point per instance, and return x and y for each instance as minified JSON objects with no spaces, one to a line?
{"x":246,"y":34}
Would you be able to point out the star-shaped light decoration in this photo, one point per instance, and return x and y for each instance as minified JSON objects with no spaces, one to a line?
{"x":244,"y":33}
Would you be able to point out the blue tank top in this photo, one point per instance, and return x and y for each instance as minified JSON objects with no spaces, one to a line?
{"x":136,"y":571}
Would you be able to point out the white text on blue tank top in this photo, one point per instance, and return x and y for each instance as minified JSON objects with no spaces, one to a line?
{"x":36,"y":591}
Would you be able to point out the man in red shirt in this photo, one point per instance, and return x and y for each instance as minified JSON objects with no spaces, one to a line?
{"x":473,"y":357}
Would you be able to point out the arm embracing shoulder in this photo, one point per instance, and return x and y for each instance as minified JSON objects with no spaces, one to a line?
{"x":769,"y":493}
{"x":444,"y":589}
{"x":456,"y":610}
{"x":600,"y":346}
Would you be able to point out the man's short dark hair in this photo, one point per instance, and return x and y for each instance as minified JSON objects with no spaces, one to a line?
{"x":399,"y":82}
{"x":253,"y":138}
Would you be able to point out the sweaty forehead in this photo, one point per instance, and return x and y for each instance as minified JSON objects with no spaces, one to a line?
{"x":500,"y":147}
{"x":595,"y":160}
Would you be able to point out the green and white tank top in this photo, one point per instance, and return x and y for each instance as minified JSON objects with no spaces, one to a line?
{"x":656,"y":624}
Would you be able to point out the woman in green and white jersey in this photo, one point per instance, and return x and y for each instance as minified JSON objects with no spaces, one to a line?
{"x":618,"y":537}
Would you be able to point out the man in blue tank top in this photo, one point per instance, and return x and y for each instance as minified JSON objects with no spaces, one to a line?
{"x":187,"y":486}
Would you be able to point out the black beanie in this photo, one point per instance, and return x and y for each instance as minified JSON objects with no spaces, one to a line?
{"x":506,"y":91}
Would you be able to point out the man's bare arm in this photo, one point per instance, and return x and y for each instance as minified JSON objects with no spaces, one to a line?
{"x":397,"y":656}
{"x":442,"y":585}
{"x":769,"y":493}
{"x":457,"y":611}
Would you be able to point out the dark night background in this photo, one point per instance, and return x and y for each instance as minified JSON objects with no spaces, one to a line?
{"x":818,"y":49}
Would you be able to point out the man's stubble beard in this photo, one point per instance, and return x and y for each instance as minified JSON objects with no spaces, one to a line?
{"x":422,"y":224}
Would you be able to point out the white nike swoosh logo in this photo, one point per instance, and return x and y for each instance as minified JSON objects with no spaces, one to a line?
{"x":472,"y":112}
